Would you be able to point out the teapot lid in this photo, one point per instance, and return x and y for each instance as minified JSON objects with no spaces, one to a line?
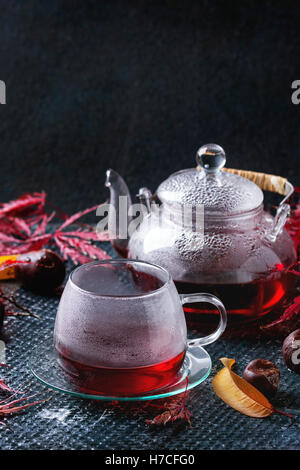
{"x":220,"y":192}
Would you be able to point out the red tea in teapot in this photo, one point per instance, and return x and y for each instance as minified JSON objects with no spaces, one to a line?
{"x":120,"y":381}
{"x":243,"y":300}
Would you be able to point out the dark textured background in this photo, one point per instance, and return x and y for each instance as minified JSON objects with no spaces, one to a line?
{"x":139,"y":86}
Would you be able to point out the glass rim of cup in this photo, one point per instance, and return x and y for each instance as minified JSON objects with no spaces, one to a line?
{"x":119,"y":261}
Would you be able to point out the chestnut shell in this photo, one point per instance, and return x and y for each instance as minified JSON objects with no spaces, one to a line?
{"x":291,"y":351}
{"x":42,"y":270}
{"x":263,"y":375}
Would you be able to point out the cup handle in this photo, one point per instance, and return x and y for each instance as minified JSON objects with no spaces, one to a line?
{"x":210,"y":299}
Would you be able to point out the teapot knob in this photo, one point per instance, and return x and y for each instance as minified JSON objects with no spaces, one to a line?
{"x":211,"y":157}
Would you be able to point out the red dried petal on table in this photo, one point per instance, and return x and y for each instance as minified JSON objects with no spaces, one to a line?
{"x":288,"y":321}
{"x":9,"y":405}
{"x":160,"y":419}
{"x":10,"y":408}
{"x":176,"y":409}
{"x":5,"y":387}
{"x":171,"y":416}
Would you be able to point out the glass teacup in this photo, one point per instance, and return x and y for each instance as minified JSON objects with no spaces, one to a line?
{"x":120,"y":327}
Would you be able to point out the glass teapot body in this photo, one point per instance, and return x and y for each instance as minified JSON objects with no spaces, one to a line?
{"x":231,"y":258}
{"x":212,"y":234}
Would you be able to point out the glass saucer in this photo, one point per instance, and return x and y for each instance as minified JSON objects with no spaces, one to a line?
{"x":43,"y":364}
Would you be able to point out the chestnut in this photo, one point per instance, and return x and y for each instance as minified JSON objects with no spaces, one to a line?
{"x":42,"y":270}
{"x":263,"y":375}
{"x":291,"y":351}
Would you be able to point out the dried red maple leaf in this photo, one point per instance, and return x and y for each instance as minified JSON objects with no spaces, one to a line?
{"x":288,"y":321}
{"x":170,"y":415}
{"x":24,"y":227}
{"x":3,"y":386}
{"x":8,"y":300}
{"x":26,"y":204}
{"x":9,"y":406}
{"x":6,"y":388}
{"x":293,"y":222}
{"x":176,"y":410}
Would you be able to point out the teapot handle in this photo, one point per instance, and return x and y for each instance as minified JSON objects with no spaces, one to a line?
{"x":276,"y":184}
{"x":210,"y":299}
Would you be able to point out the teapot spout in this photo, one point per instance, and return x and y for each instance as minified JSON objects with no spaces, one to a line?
{"x":118,"y":216}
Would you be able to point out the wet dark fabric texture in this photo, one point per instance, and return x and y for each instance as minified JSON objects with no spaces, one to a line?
{"x":68,"y":423}
{"x":138,"y":86}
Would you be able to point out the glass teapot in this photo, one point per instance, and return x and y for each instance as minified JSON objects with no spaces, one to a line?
{"x":207,"y":226}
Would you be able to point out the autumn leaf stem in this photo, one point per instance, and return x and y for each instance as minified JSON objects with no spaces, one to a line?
{"x":26,"y":311}
{"x":284,"y":414}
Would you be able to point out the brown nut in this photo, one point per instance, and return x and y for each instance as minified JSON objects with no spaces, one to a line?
{"x":263,"y":375}
{"x":41,"y":270}
{"x":291,"y":351}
